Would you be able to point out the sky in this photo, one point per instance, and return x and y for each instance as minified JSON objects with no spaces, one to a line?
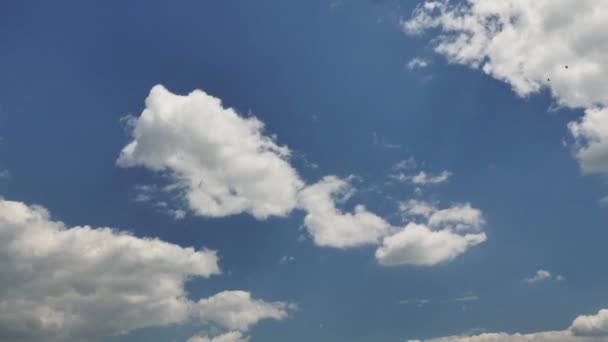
{"x":291,"y":171}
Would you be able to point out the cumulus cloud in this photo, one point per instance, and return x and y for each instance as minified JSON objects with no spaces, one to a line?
{"x":593,"y":325}
{"x":533,"y":45}
{"x":221,"y":162}
{"x":443,"y":235}
{"x":236,"y":310}
{"x":418,"y":245}
{"x":233,"y":336}
{"x":592,"y":328}
{"x":331,"y":227}
{"x":82,"y":283}
{"x":591,"y":135}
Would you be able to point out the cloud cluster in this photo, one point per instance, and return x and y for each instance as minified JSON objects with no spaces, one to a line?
{"x":592,"y":328}
{"x":533,"y":45}
{"x":81,"y":283}
{"x":223,"y":164}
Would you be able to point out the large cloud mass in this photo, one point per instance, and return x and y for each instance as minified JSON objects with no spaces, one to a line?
{"x":561,"y":45}
{"x":80,"y":283}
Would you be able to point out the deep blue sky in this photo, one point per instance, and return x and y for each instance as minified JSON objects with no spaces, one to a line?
{"x":324,"y":79}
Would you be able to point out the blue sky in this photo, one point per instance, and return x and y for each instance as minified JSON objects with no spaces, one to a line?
{"x":330,"y":80}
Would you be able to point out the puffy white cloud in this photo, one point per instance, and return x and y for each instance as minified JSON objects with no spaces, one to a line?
{"x":445,"y":234}
{"x":591,"y":134}
{"x":236,"y":310}
{"x":460,"y":218}
{"x":558,"y":45}
{"x":221,"y":162}
{"x":331,"y":227}
{"x":233,"y":336}
{"x":594,"y":325}
{"x":593,"y":328}
{"x":417,"y":63}
{"x":525,"y":42}
{"x":418,"y":245}
{"x":82,"y":283}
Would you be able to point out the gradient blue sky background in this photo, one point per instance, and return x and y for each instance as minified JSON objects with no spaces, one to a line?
{"x":330,"y":80}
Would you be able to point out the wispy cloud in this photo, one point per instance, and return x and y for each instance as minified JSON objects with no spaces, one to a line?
{"x":543,"y":275}
{"x":417,"y":63}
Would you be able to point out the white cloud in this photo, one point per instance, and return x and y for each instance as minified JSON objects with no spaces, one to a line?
{"x":584,"y":329}
{"x":539,"y":276}
{"x":331,"y":227}
{"x":233,"y":336}
{"x":416,"y":208}
{"x":594,"y":325}
{"x":532,"y":45}
{"x":542,"y":275}
{"x":460,"y":218}
{"x":236,"y":310}
{"x":418,"y":245}
{"x":591,"y":134}
{"x":444,"y":235}
{"x":417,"y":63}
{"x":422,"y":178}
{"x":82,"y":283}
{"x":222,"y":162}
